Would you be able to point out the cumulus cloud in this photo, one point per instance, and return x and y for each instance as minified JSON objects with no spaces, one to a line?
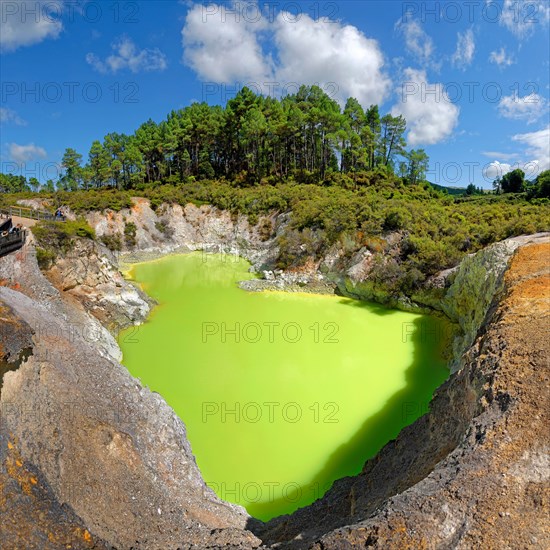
{"x":25,"y":153}
{"x":8,"y":115}
{"x":418,"y":43}
{"x":430,"y":114}
{"x":529,"y":108}
{"x":339,"y":58}
{"x":496,"y":169}
{"x":501,"y":59}
{"x":535,"y":157}
{"x":521,"y":17}
{"x":343,"y":56}
{"x":465,"y":48}
{"x":128,"y":56}
{"x":222,"y":48}
{"x":24,"y":23}
{"x":537,"y":146}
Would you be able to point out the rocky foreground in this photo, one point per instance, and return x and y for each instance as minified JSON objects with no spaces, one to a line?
{"x":91,"y":459}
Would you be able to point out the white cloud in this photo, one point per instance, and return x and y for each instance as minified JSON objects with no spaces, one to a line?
{"x":25,"y":153}
{"x":501,"y":59}
{"x":495,"y":170}
{"x":498,"y":154}
{"x":128,"y":56}
{"x":535,"y":156}
{"x":521,"y":17}
{"x":431,"y":116}
{"x":24,"y":23}
{"x":8,"y":115}
{"x":465,"y":48}
{"x":223,"y":49}
{"x":529,"y":108}
{"x":339,"y":58}
{"x":323,"y":51}
{"x":537,"y":147}
{"x":418,"y":43}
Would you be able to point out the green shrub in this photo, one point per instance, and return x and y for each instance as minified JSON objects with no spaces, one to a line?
{"x":265,"y":229}
{"x":163,"y":227}
{"x":349,"y":242}
{"x":374,"y":244}
{"x":296,"y":247}
{"x":58,"y":237}
{"x":397,"y":218}
{"x":112,"y":242}
{"x":45,"y":258}
{"x":80,"y":228}
{"x":130,"y":231}
{"x":339,"y":179}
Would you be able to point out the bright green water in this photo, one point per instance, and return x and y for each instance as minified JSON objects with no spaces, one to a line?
{"x":304,"y":391}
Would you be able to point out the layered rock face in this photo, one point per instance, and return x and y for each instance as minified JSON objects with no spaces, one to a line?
{"x":20,"y":272}
{"x":172,"y":228}
{"x":90,"y":459}
{"x":89,"y":273}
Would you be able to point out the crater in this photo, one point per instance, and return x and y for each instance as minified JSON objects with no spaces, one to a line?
{"x":267,"y":383}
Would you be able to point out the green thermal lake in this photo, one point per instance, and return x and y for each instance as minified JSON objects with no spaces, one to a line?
{"x":281,"y":393}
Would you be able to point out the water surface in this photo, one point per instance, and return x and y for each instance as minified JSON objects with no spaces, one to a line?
{"x":281,"y":393}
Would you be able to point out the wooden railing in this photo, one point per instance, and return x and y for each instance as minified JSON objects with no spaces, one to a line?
{"x":30,"y":213}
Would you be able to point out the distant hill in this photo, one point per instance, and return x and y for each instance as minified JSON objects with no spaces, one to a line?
{"x":450,"y":190}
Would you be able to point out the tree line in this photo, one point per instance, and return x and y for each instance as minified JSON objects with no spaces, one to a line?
{"x":253,"y":137}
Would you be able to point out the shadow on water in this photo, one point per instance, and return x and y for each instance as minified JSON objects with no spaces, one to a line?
{"x":370,"y":306}
{"x":426,"y":373}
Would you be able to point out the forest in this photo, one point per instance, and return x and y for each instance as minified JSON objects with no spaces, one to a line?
{"x":252,"y":138}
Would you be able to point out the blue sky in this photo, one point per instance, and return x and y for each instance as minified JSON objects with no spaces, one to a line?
{"x":472,"y":79}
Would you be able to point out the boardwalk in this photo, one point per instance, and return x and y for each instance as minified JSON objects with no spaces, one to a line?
{"x":25,"y":218}
{"x":18,"y":212}
{"x":25,"y":222}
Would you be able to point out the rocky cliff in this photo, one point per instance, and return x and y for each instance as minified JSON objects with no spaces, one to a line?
{"x":89,"y":273}
{"x":144,"y":232}
{"x":93,"y":460}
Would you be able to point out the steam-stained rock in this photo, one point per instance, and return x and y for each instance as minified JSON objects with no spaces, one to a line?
{"x":20,"y":272}
{"x":15,"y":341}
{"x":89,"y":272}
{"x":173,"y":228}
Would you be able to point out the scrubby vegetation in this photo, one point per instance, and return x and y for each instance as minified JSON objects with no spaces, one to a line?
{"x":112,"y":242}
{"x":53,"y":238}
{"x":130,"y":231}
{"x":354,"y":211}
